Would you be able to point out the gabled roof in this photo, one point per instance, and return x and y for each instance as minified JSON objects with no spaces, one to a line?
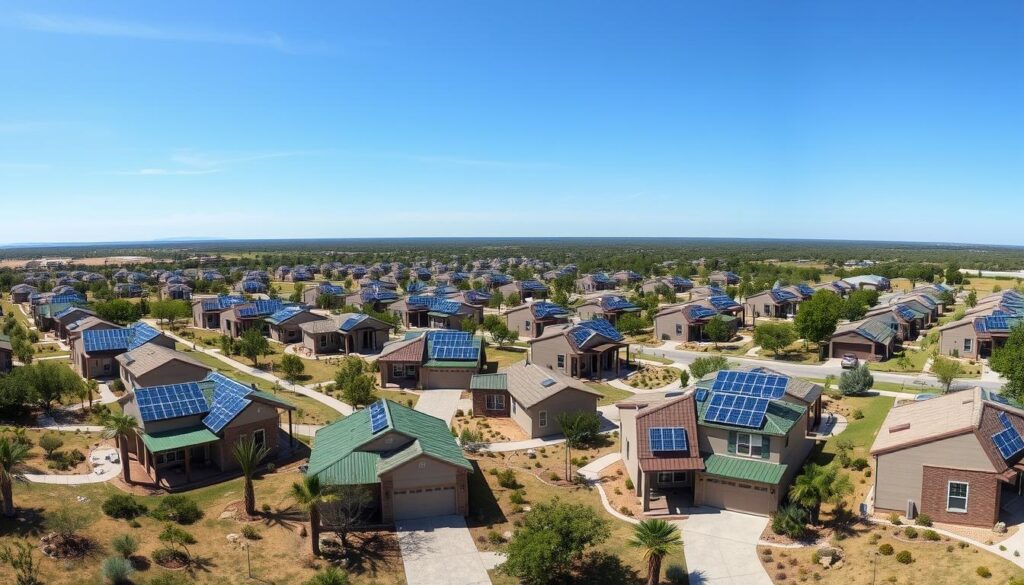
{"x":285,"y":314}
{"x":124,"y":339}
{"x":406,"y":350}
{"x":529,"y":384}
{"x":220,"y":302}
{"x":151,"y":356}
{"x":871,"y":328}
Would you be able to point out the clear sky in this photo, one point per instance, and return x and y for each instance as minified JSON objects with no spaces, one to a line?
{"x":820,"y":119}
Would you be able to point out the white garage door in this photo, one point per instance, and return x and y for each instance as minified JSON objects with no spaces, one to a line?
{"x":736,"y":495}
{"x":424,"y":502}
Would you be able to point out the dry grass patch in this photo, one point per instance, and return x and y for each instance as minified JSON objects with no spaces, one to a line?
{"x":491,"y":429}
{"x":650,"y":377}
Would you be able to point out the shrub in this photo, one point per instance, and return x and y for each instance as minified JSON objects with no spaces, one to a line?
{"x":859,"y":464}
{"x":629,"y":484}
{"x":923,"y":520}
{"x":180,"y":509}
{"x":250,"y":532}
{"x":676,"y":575}
{"x":517,"y":497}
{"x":494,"y":537}
{"x":894,"y":518}
{"x":554,"y":476}
{"x":125,"y":545}
{"x":885,"y":549}
{"x":117,"y":570}
{"x":983,"y":572}
{"x":910,"y":532}
{"x":857,"y":414}
{"x":50,"y":442}
{"x":931,"y":535}
{"x":867,"y":473}
{"x":904,"y":557}
{"x":123,"y":506}
{"x":507,"y":479}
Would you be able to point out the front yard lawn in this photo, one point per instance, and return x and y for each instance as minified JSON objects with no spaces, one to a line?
{"x":610,"y":394}
{"x":907,"y":361}
{"x":504,"y":357}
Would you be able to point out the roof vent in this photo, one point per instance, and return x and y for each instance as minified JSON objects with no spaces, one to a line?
{"x":899,"y":427}
{"x":547,"y":382}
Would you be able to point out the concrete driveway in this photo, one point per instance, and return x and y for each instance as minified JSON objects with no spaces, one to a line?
{"x":721,"y":547}
{"x":440,"y":551}
{"x":439,"y":403}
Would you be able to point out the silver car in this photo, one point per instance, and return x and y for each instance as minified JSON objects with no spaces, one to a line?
{"x":850,"y":361}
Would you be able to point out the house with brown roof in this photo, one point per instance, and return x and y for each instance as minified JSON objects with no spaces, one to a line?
{"x":432,"y":359}
{"x":685,"y":322}
{"x":774,"y":303}
{"x":607,"y":307}
{"x":286,"y":323}
{"x":68,"y":316}
{"x":529,"y":320}
{"x":532,"y":396}
{"x":155,"y":365}
{"x":872,"y":339}
{"x":345,"y":333}
{"x":955,"y":457}
{"x":94,"y":351}
{"x":435,"y":312}
{"x":237,"y":319}
{"x":588,"y":349}
{"x":984,"y":328}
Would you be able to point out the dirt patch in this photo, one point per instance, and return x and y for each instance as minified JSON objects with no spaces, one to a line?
{"x":492,"y":429}
{"x":613,"y":480}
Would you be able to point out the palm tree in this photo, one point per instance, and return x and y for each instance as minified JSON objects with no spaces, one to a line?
{"x":819,"y":484}
{"x":309,"y":493}
{"x":12,"y":454}
{"x":121,"y":426}
{"x":249,"y":455}
{"x":657,"y":539}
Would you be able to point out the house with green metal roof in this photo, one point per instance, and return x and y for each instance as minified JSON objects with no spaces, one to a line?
{"x":733,"y":440}
{"x":407,"y":460}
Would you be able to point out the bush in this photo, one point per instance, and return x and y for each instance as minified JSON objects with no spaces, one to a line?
{"x":495,"y":537}
{"x":629,"y":484}
{"x":125,"y":545}
{"x":859,"y":464}
{"x":894,"y":518}
{"x":931,"y":535}
{"x":123,"y":506}
{"x":904,"y":557}
{"x":180,"y":509}
{"x":517,"y":497}
{"x":507,"y":479}
{"x":117,"y":570}
{"x":250,"y":532}
{"x":857,"y":414}
{"x":910,"y":532}
{"x":50,"y":442}
{"x":676,"y":575}
{"x":923,"y":520}
{"x":885,"y":549}
{"x":983,"y":572}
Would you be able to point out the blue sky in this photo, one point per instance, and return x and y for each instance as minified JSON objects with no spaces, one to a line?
{"x":866,"y":120}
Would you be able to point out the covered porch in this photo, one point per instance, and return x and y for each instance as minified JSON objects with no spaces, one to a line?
{"x":179,"y":454}
{"x":665,"y":486}
{"x":599,"y":363}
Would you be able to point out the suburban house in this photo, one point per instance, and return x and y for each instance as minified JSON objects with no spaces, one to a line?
{"x":155,"y":365}
{"x":286,"y":323}
{"x":868,"y":281}
{"x":775,"y":303}
{"x":376,"y":297}
{"x":676,"y":284}
{"x":907,"y":320}
{"x":325,"y":296}
{"x":588,"y":349}
{"x":532,"y":396}
{"x":345,"y":333}
{"x":237,"y":319}
{"x":187,"y":430}
{"x":607,"y":307}
{"x":20,"y":293}
{"x":68,"y":316}
{"x":626,"y":278}
{"x":93,"y":354}
{"x":206,"y":310}
{"x":128,"y":290}
{"x":6,"y":354}
{"x":977,"y":336}
{"x":435,"y":312}
{"x":406,"y":459}
{"x":838,"y":287}
{"x":476,"y":298}
{"x":432,"y":359}
{"x":685,"y":322}
{"x":75,"y":329}
{"x":251,"y":286}
{"x":953,"y":457}
{"x":596,"y":282}
{"x":526,"y":289}
{"x":872,"y":339}
{"x":529,"y":320}
{"x":723,"y":278}
{"x":735,"y":442}
{"x":176,"y":292}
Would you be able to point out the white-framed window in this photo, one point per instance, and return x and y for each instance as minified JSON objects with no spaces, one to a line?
{"x":526,"y":325}
{"x":495,"y":402}
{"x":968,"y":343}
{"x":956,"y":496}
{"x":396,"y":370}
{"x":749,"y":444}
{"x":542,"y":418}
{"x":259,"y":437}
{"x":561,"y":360}
{"x":410,"y":371}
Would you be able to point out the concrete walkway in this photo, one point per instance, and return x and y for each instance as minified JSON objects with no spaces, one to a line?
{"x":103,"y":470}
{"x":439,"y":403}
{"x":721,"y":547}
{"x":440,"y":551}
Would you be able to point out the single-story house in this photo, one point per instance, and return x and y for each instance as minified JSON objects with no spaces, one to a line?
{"x":872,"y":339}
{"x":607,"y":307}
{"x":156,"y":365}
{"x":407,"y":460}
{"x":325,"y":296}
{"x":723,"y":278}
{"x":588,"y":349}
{"x":376,"y":297}
{"x":435,"y":312}
{"x":250,"y":286}
{"x":977,"y":336}
{"x":345,"y":333}
{"x":598,"y":281}
{"x":775,"y":303}
{"x":532,"y":396}
{"x":432,"y":359}
{"x":68,"y":316}
{"x":626,"y":277}
{"x":237,"y":319}
{"x":685,"y":322}
{"x":526,"y":289}
{"x":529,"y":320}
{"x":94,"y":353}
{"x":21,"y":292}
{"x":206,"y":310}
{"x":286,"y":323}
{"x":868,"y":281}
{"x":176,"y":292}
{"x":676,"y":284}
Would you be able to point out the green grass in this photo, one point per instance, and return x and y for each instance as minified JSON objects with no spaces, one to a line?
{"x":10,"y":309}
{"x":862,"y":432}
{"x":914,"y":362}
{"x":399,"y":396}
{"x":886,"y":386}
{"x":653,"y":358}
{"x":610,"y":394}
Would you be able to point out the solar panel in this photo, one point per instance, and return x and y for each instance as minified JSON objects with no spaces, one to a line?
{"x":229,"y":398}
{"x":140,"y":334}
{"x":1009,"y":442}
{"x":453,"y":345}
{"x":736,"y":409}
{"x":905,"y":312}
{"x":722,"y":302}
{"x":170,"y":401}
{"x":602,"y":327}
{"x":750,"y":384}
{"x":547,"y":382}
{"x":616,"y":303}
{"x":378,"y":417}
{"x":546,"y":310}
{"x":668,"y":439}
{"x":997,"y":322}
{"x":699,"y":312}
{"x":106,"y":340}
{"x":701,"y":394}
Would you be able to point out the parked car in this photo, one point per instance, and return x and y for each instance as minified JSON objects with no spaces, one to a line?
{"x":850,"y":361}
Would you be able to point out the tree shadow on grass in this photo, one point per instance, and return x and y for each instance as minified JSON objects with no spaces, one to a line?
{"x":600,"y":568}
{"x":483,"y":506}
{"x":290,"y":517}
{"x":28,"y":523}
{"x":369,"y":552}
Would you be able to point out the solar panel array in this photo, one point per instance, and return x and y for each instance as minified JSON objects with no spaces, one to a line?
{"x":722,"y":302}
{"x":616,"y":303}
{"x":436,"y":304}
{"x":805,"y":289}
{"x":222,"y":302}
{"x":378,"y":417}
{"x":453,"y":345}
{"x":750,"y":384}
{"x":253,"y":286}
{"x":601,"y":277}
{"x":533,"y":285}
{"x":700,"y":312}
{"x":352,"y":321}
{"x":106,"y":340}
{"x":736,"y":409}
{"x":284,"y":314}
{"x":701,"y":395}
{"x":229,"y":399}
{"x":260,"y":308}
{"x":548,"y":310}
{"x":781,"y":296}
{"x":1008,"y":440}
{"x":997,"y":322}
{"x":905,"y":312}
{"x":680,"y":281}
{"x":171,"y":401}
{"x":140,"y":335}
{"x":415,"y":286}
{"x":668,"y":439}
{"x":584,"y":329}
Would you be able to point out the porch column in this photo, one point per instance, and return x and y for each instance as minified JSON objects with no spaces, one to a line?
{"x":188,"y":465}
{"x":291,"y":437}
{"x":646,"y":495}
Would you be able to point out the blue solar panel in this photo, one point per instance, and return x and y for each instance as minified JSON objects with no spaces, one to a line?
{"x":736,"y":409}
{"x":222,"y":302}
{"x":253,"y":286}
{"x":584,"y":329}
{"x":260,"y":308}
{"x":616,"y":303}
{"x":601,"y":277}
{"x":805,"y":289}
{"x":171,"y":401}
{"x":378,"y":417}
{"x":904,"y":312}
{"x":781,"y":296}
{"x":668,"y":439}
{"x":699,"y":312}
{"x":1009,"y":442}
{"x":229,"y":399}
{"x":140,"y":334}
{"x":453,"y":345}
{"x":701,"y":394}
{"x":722,"y":302}
{"x":352,"y":321}
{"x":533,"y":285}
{"x":546,"y":310}
{"x":997,"y":322}
{"x":284,"y":314}
{"x":750,"y":384}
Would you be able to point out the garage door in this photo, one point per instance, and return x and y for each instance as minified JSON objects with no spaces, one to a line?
{"x":736,"y":495}
{"x":424,"y":502}
{"x":861,"y":351}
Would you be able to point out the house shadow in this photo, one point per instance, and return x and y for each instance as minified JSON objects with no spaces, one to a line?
{"x":483,"y":506}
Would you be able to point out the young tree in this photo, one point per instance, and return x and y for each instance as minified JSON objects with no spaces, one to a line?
{"x":49,"y":443}
{"x":718,"y":330}
{"x":348,"y":511}
{"x":657,"y":539}
{"x":50,"y":381}
{"x":551,"y":542}
{"x":630,"y":324}
{"x":121,"y":427}
{"x":856,"y":381}
{"x":774,"y":337}
{"x":820,"y":484}
{"x":177,"y":539}
{"x":705,"y":365}
{"x":292,"y":367}
{"x":169,"y":311}
{"x":818,"y":316}
{"x":253,"y":345}
{"x":359,"y":391}
{"x":514,"y":300}
{"x":310,"y":494}
{"x":972,"y":299}
{"x":579,"y":428}
{"x":21,"y":559}
{"x":12,"y":455}
{"x":22,"y":349}
{"x":684,"y":378}
{"x":67,"y":521}
{"x":497,"y":300}
{"x":118,"y":311}
{"x":351,"y":368}
{"x":1008,"y":360}
{"x":946,"y":370}
{"x":227,"y":345}
{"x":249,"y":455}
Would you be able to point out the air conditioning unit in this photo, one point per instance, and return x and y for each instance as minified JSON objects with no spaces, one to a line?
{"x":911,"y":509}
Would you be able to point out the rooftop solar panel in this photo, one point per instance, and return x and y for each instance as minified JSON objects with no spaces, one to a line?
{"x":701,"y":395}
{"x":699,"y":312}
{"x":229,"y":398}
{"x":722,"y":302}
{"x":736,"y":409}
{"x":170,"y":401}
{"x":546,"y":310}
{"x":616,"y":302}
{"x":750,"y":384}
{"x":378,"y":417}
{"x":602,"y":327}
{"x":667,"y":439}
{"x":352,"y":321}
{"x":1009,"y":442}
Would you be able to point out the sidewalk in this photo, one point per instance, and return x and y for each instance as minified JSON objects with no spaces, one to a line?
{"x":107,"y":471}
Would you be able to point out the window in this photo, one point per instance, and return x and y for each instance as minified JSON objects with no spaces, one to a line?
{"x":967,"y":345}
{"x":664,"y":477}
{"x":323,"y":341}
{"x":410,"y":371}
{"x":956,"y":496}
{"x":495,"y":402}
{"x":259,"y":437}
{"x":767,"y":309}
{"x":749,"y":445}
{"x":542,"y":417}
{"x":396,"y":370}
{"x":627,"y":449}
{"x":679,"y":328}
{"x":561,"y":361}
{"x":526,"y":325}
